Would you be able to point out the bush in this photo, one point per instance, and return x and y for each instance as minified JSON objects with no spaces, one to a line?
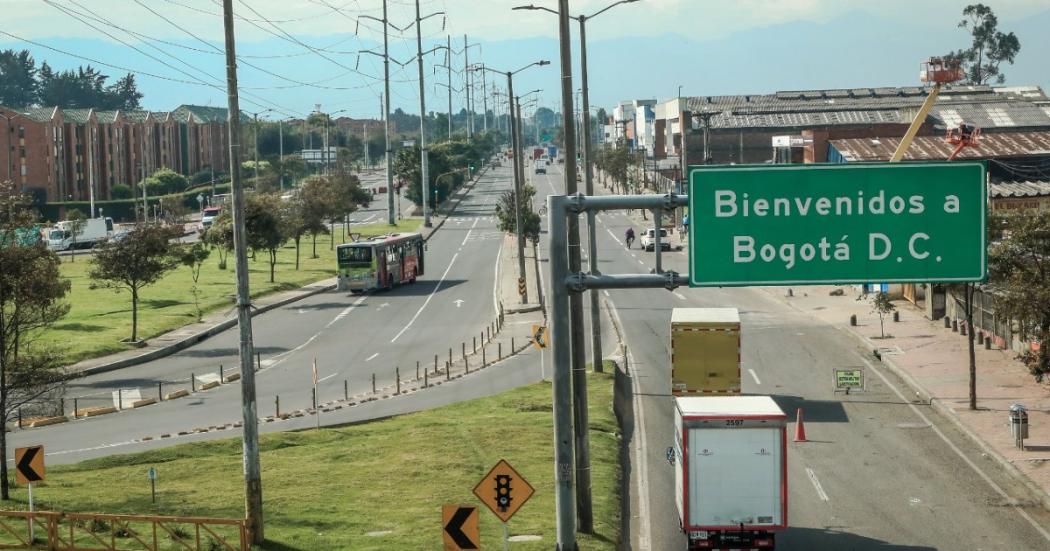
{"x":165,"y":181}
{"x":121,"y":191}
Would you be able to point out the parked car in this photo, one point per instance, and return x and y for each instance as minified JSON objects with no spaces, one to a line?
{"x":649,"y":240}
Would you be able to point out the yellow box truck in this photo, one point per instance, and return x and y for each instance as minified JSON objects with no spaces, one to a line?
{"x":705,"y":351}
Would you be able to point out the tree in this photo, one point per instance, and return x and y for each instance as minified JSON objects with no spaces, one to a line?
{"x":193,"y":256}
{"x":990,"y":47}
{"x":173,"y":208}
{"x":123,"y":94}
{"x":1019,"y":271}
{"x":31,"y":299}
{"x":76,"y":220}
{"x":18,"y":84}
{"x":138,"y":260}
{"x":165,"y":181}
{"x":530,"y":220}
{"x":302,"y":215}
{"x":219,"y":236}
{"x":881,"y":305}
{"x":968,"y":290}
{"x":263,"y":226}
{"x":121,"y":191}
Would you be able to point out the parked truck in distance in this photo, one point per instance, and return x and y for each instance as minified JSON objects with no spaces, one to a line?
{"x":730,"y":463}
{"x":705,"y":351}
{"x":87,"y":234}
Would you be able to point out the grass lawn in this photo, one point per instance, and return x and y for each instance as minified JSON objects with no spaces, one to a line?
{"x":328,"y":489}
{"x":99,"y":318}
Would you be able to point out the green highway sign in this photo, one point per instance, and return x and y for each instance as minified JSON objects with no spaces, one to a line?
{"x":841,"y":223}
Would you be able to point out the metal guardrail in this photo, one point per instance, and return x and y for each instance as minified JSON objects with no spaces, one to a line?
{"x":57,"y":531}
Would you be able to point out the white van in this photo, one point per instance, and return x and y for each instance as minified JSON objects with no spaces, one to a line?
{"x":92,"y":231}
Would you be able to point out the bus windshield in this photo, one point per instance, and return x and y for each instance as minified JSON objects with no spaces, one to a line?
{"x":355,"y":255}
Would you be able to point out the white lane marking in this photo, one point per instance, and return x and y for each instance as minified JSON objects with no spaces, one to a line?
{"x":640,"y":262}
{"x":326,"y":377}
{"x":429,"y":297}
{"x":754,"y":376}
{"x":641,"y":458}
{"x":816,"y":484}
{"x":346,"y":311}
{"x":679,"y":295}
{"x":1002,"y":493}
{"x":613,"y":235}
{"x":466,"y":237}
{"x":372,"y":357}
{"x":606,"y":291}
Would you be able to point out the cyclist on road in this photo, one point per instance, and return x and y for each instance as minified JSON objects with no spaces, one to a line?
{"x":629,"y":237}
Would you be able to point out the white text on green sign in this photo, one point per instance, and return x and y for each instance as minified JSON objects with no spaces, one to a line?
{"x":805,"y":224}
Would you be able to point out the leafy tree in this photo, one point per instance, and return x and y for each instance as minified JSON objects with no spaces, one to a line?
{"x":1019,"y":271}
{"x":76,"y":220}
{"x":138,"y":260}
{"x":165,"y":181}
{"x":305,"y":213}
{"x":881,"y":305}
{"x":121,"y":191}
{"x":219,"y":236}
{"x":173,"y":208}
{"x":530,"y":220}
{"x":32,"y":290}
{"x":193,"y":256}
{"x":990,"y":46}
{"x":263,"y":226}
{"x":18,"y":84}
{"x":123,"y":94}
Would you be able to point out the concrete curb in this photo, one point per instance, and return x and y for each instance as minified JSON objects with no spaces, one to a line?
{"x":948,"y":413}
{"x":196,"y":337}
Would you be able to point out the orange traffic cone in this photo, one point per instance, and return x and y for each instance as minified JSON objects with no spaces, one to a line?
{"x":800,"y":428}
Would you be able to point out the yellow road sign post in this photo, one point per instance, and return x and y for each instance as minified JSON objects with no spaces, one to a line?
{"x":503,"y":490}
{"x":460,"y":529}
{"x":29,"y":464}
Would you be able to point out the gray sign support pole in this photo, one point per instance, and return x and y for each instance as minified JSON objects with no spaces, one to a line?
{"x":564,"y":492}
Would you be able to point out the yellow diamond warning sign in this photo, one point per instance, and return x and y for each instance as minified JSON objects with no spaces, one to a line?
{"x":503,"y":490}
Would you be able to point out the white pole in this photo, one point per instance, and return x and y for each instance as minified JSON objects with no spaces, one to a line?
{"x":31,"y":536}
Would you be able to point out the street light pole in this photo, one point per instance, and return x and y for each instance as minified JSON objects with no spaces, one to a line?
{"x":280,"y":149}
{"x":253,"y":501}
{"x":386,"y":122}
{"x":518,"y":162}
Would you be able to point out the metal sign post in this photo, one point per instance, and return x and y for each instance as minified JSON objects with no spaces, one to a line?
{"x":152,"y":475}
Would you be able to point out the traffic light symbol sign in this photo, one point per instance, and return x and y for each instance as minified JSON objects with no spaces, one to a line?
{"x":503,"y":497}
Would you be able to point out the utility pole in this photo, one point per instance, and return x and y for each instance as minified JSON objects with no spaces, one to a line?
{"x":518,"y":181}
{"x":390,"y":192}
{"x":579,"y":373}
{"x":92,"y":137}
{"x":484,"y":99}
{"x":253,"y":501}
{"x":255,"y":143}
{"x":327,"y":119}
{"x":588,"y":183}
{"x":448,"y":66}
{"x":466,"y":86}
{"x":280,"y":149}
{"x":424,"y":163}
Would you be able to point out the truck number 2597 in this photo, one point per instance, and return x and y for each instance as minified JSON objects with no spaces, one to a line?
{"x":734,"y":422}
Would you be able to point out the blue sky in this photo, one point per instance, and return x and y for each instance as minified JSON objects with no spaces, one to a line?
{"x":644,"y":50}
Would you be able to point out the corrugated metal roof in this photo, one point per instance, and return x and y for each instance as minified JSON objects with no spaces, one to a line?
{"x":135,"y":115}
{"x":40,"y":114}
{"x":79,"y":116}
{"x":926,"y":148}
{"x":1019,"y":114}
{"x":106,"y":116}
{"x":1036,"y":188}
{"x":789,"y":119}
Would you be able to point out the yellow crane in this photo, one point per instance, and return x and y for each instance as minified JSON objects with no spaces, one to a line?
{"x":939,"y":71}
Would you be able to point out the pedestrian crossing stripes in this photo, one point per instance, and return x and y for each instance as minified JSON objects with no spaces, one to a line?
{"x":470,"y":219}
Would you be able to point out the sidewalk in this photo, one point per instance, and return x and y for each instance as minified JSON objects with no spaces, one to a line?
{"x":934,"y":361}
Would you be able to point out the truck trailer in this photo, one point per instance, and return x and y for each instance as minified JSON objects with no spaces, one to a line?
{"x":87,"y":233}
{"x":705,"y":351}
{"x":730,"y":463}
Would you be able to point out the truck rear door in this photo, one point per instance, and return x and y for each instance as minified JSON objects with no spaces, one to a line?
{"x":735,"y":476}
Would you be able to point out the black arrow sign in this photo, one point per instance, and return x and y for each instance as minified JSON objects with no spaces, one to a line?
{"x":454,"y":528}
{"x":25,"y":466}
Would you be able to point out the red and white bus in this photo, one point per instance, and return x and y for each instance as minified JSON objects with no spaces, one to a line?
{"x":381,"y":262}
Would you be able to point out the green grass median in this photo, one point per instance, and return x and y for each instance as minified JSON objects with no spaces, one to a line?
{"x":99,"y":318}
{"x":330,"y":489}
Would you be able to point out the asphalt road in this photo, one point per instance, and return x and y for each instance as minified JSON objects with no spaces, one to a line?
{"x":879,"y":471}
{"x":351,"y":337}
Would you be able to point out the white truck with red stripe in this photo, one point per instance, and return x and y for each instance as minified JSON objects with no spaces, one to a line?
{"x":705,"y":351}
{"x":730,"y":462}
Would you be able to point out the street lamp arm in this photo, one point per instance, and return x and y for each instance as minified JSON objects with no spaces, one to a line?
{"x":534,"y":8}
{"x":607,"y":8}
{"x":540,"y":63}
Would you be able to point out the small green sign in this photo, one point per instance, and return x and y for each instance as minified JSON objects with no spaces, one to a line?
{"x":846,"y":379}
{"x":842,"y":223}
